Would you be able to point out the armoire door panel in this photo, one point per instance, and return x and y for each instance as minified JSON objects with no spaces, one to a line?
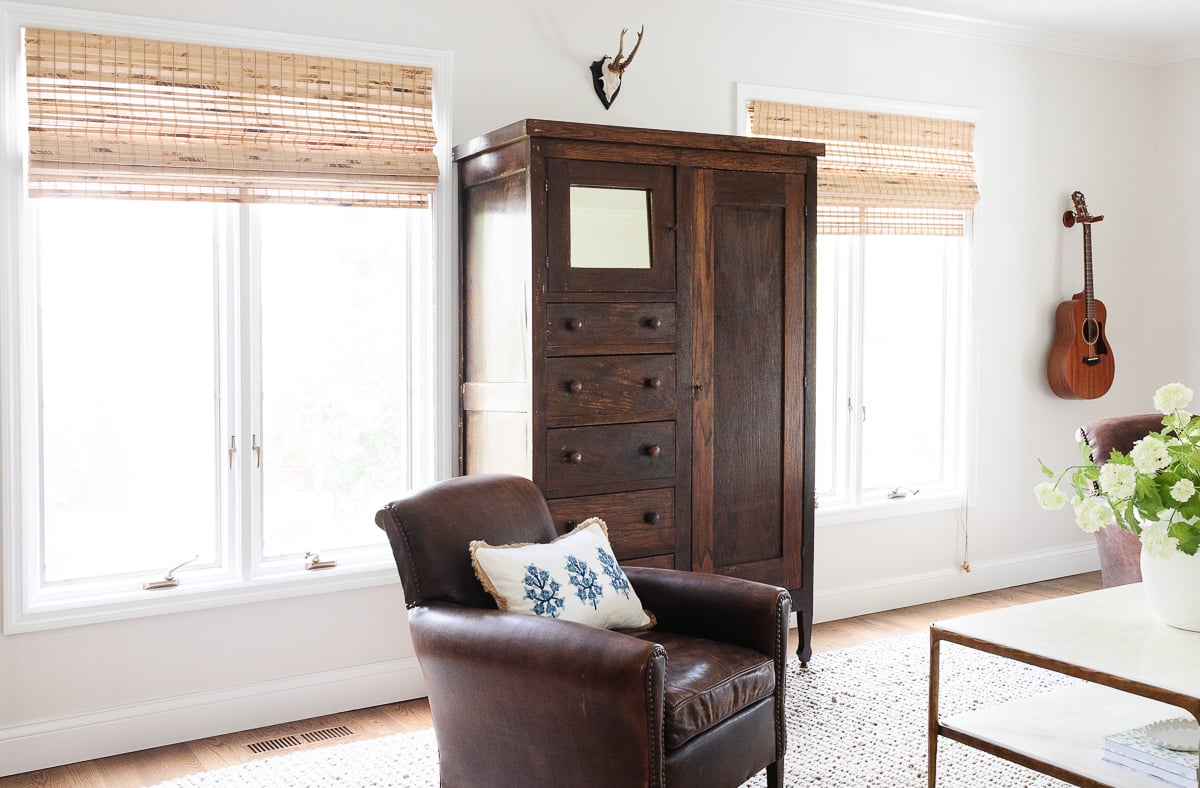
{"x":759,"y":571}
{"x":747,"y":385}
{"x":749,"y":360}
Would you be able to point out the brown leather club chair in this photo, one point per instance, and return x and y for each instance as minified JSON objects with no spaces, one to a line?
{"x":1120,"y":550}
{"x":519,"y":700}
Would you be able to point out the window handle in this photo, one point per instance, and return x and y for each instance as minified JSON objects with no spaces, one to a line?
{"x":901,"y":492}
{"x":168,"y":580}
{"x":257,"y":450}
{"x":232,"y":449}
{"x":314,"y":561}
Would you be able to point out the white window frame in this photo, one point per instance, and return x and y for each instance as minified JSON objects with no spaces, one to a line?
{"x":25,"y":607}
{"x":958,"y":443}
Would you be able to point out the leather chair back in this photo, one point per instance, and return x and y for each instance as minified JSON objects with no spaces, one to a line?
{"x":1120,"y":550}
{"x":430,"y":531}
{"x":1118,"y":433}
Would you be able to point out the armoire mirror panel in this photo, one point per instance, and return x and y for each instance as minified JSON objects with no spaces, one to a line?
{"x":610,"y":228}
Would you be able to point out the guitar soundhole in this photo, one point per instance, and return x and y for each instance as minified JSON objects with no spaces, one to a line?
{"x":1091,"y":330}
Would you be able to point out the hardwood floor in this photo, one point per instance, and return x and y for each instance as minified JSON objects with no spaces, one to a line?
{"x":148,"y":767}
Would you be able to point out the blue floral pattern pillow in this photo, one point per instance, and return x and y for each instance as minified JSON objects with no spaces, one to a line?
{"x":574,"y":578}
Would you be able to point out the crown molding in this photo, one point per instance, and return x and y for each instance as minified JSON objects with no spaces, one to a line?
{"x":986,"y":29}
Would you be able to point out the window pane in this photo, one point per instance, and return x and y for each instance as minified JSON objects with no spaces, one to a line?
{"x":335,"y":372}
{"x":830,"y":406}
{"x":903,"y":360}
{"x":129,"y":382}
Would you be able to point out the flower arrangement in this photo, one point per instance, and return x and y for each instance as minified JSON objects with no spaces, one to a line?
{"x":1151,"y":491}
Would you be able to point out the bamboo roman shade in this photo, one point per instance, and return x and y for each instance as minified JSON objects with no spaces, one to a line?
{"x":882,"y":174}
{"x":127,"y":117}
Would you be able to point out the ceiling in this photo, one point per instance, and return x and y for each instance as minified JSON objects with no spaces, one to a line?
{"x":1142,"y":31}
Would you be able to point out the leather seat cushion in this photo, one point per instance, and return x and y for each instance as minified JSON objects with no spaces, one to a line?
{"x":707,"y":682}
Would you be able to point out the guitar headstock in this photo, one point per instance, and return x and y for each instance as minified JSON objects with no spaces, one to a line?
{"x":1081,"y":211}
{"x":1080,"y":214}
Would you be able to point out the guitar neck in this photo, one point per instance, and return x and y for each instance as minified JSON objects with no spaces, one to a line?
{"x":1089,"y":296}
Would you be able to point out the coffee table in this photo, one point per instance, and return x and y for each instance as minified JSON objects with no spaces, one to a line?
{"x":1138,"y":670}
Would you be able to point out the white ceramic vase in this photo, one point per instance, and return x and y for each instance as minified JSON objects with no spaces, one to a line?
{"x":1173,"y":587}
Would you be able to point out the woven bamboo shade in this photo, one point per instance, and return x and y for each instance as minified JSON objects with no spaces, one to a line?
{"x":127,"y":117}
{"x":882,"y":174}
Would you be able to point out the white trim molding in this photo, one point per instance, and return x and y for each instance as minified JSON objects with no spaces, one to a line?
{"x":97,"y":734}
{"x":923,"y":20}
{"x":859,"y":599}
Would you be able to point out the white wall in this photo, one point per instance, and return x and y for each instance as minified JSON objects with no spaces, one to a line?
{"x":1172,"y":259}
{"x":1050,"y":123}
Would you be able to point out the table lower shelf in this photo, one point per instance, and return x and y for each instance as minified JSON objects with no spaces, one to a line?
{"x":1063,"y":730}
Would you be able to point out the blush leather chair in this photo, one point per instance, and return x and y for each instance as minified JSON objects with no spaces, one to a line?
{"x":519,"y":700}
{"x":1120,"y":550}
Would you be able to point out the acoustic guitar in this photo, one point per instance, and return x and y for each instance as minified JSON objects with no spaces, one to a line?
{"x":1081,"y":362}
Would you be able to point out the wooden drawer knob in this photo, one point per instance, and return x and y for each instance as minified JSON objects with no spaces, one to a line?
{"x":652,"y":451}
{"x":653,"y":322}
{"x":575,"y":386}
{"x":653,"y":383}
{"x":651,"y":518}
{"x":574,"y":324}
{"x":569,"y":524}
{"x":574,"y":458}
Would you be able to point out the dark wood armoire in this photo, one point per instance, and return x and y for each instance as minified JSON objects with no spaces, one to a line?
{"x":637,"y":338}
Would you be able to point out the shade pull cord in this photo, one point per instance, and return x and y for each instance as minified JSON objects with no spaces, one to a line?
{"x":963,"y":521}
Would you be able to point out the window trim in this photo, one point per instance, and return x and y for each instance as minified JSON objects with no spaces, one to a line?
{"x":959,"y":451}
{"x":18,"y":353}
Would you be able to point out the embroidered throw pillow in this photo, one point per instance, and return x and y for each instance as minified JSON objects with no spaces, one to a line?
{"x":574,"y":578}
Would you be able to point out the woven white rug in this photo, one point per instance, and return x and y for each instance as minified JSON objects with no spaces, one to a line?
{"x":857,"y":718}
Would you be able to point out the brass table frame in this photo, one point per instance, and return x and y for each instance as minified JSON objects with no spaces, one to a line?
{"x":937,"y":634}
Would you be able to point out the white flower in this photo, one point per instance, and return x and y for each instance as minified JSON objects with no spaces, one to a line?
{"x":1117,"y":479}
{"x":1178,"y":421}
{"x":1149,"y":455}
{"x":1049,"y":496}
{"x":1156,"y":542}
{"x":1092,"y":513}
{"x":1172,"y":397}
{"x":1183,"y":490}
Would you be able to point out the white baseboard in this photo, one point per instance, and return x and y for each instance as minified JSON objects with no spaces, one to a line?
{"x":857,"y":599}
{"x":98,"y":734}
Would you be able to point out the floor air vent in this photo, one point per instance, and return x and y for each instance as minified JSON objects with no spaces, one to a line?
{"x":283,"y":742}
{"x":326,"y":734}
{"x":267,"y":745}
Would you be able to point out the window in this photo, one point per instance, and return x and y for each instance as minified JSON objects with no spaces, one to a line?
{"x":889,"y":400}
{"x":895,"y":193}
{"x":212,"y":366}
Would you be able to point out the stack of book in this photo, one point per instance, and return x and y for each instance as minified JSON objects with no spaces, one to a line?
{"x":1134,"y":749}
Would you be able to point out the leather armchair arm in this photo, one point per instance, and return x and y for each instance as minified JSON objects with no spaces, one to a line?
{"x":516,"y":687}
{"x":722,"y":608}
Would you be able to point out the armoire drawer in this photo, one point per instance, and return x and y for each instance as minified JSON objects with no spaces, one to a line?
{"x":585,"y":390}
{"x":581,"y":457}
{"x":640,"y":523}
{"x":666,"y":561}
{"x":577,"y":326}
